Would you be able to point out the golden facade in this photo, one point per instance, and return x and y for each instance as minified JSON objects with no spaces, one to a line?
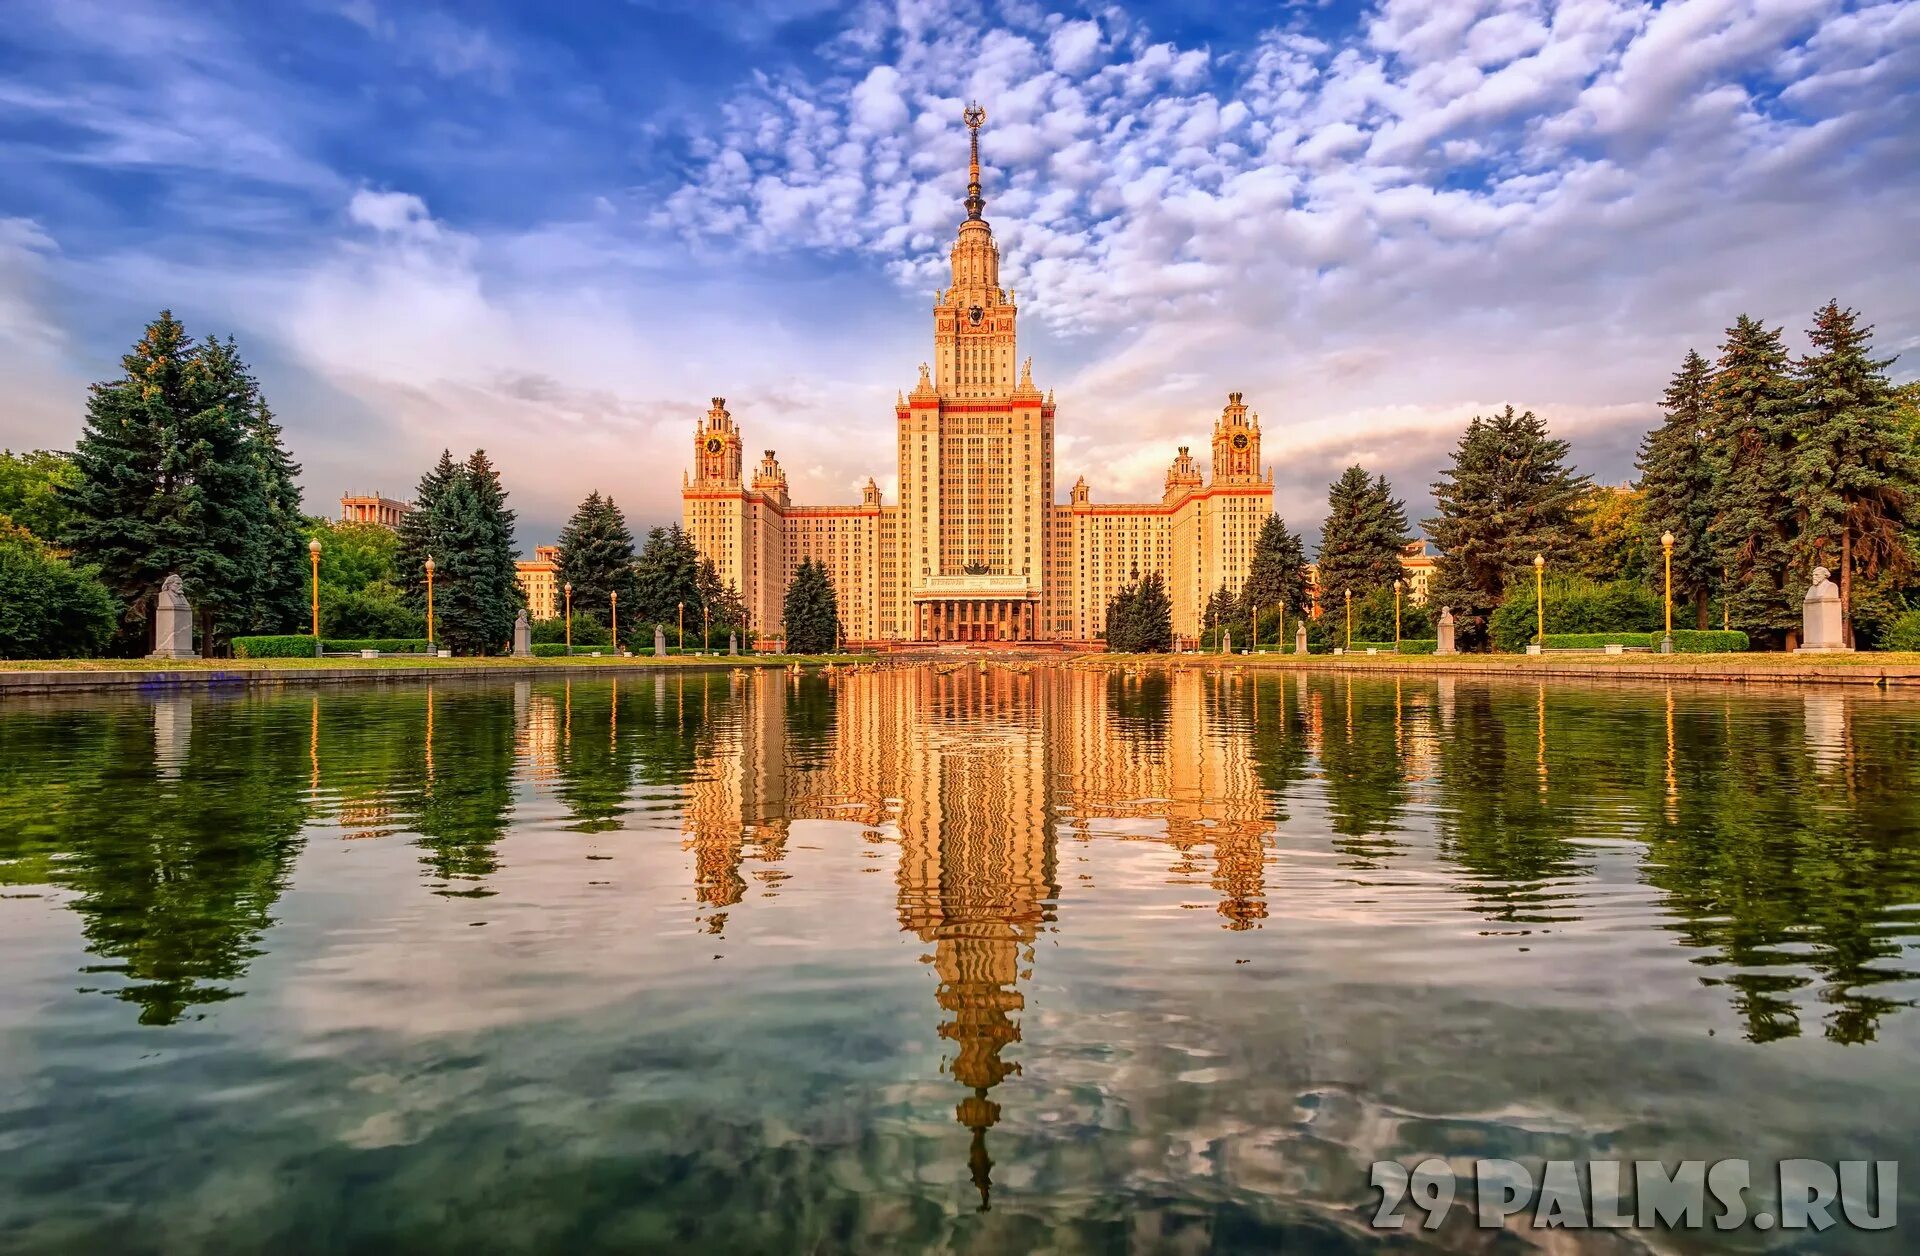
{"x":373,"y":508}
{"x":539,"y":579}
{"x":977,"y":549}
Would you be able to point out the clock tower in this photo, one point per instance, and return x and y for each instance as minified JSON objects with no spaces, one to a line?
{"x":716,"y":448}
{"x":1236,"y":444}
{"x":973,"y":320}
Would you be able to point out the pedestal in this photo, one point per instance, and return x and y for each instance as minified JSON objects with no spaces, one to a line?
{"x":172,"y":622}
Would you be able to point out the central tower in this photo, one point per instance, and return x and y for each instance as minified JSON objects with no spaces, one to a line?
{"x":976,"y":453}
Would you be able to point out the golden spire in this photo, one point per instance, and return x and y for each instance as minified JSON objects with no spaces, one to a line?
{"x":975,"y":117}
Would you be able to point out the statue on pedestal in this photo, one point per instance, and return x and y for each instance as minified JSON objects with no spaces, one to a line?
{"x":172,"y":622}
{"x":522,"y":636}
{"x":733,"y":643}
{"x":1822,"y":630}
{"x":1300,"y":638}
{"x":1446,"y":632}
{"x":659,"y":642}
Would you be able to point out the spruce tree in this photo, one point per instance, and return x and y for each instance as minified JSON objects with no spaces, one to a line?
{"x":179,"y":469}
{"x":1855,"y":468}
{"x":596,"y":557}
{"x":1678,"y":489}
{"x":1753,"y":533}
{"x":1277,"y":576}
{"x":1360,"y":542}
{"x":1153,"y":615}
{"x":497,"y":566}
{"x":1119,"y":629}
{"x":1505,"y":496}
{"x":812,"y":611}
{"x":416,"y":530}
{"x":666,"y":576}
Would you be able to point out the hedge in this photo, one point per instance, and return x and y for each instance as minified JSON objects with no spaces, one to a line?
{"x":1596,"y":640}
{"x":1705,"y":641}
{"x":301,"y":647}
{"x":1903,"y":633}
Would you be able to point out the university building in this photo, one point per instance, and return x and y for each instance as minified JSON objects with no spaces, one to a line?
{"x":977,"y":548}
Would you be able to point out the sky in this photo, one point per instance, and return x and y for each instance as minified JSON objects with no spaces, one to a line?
{"x":555,"y":231}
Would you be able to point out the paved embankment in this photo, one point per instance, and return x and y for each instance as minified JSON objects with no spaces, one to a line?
{"x":1881,"y":670}
{"x":144,"y":675}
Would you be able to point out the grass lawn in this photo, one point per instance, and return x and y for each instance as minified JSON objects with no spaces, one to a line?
{"x":420,"y":664}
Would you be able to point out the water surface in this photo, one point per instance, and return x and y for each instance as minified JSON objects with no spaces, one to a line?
{"x":986,"y":961}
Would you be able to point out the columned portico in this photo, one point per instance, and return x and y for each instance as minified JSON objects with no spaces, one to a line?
{"x":975,"y":619}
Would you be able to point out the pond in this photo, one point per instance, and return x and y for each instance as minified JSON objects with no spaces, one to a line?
{"x":988,"y":960}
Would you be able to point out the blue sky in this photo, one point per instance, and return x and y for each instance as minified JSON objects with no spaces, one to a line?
{"x":557,"y":230}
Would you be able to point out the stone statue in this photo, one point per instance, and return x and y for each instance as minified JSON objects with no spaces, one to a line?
{"x":733,"y":643}
{"x":1226,"y":641}
{"x":659,"y":642}
{"x":172,"y":622}
{"x":1300,"y":638}
{"x":1446,"y":632}
{"x":522,"y":636}
{"x":1822,"y":632}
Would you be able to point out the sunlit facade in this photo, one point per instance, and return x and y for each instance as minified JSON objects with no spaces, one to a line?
{"x":977,"y":549}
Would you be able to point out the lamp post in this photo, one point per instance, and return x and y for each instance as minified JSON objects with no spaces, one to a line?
{"x":1253,"y":630}
{"x":706,"y":628}
{"x":313,"y":551}
{"x":432,"y":647}
{"x":680,"y":632}
{"x":1396,"y":615}
{"x":1666,"y":546}
{"x":613,"y":599}
{"x":567,"y":589}
{"x":1349,"y":621}
{"x":1540,"y":599}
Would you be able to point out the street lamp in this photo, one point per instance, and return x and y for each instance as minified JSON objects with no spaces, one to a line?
{"x":1396,"y":615}
{"x":1540,"y":599}
{"x":1349,"y":621}
{"x":313,"y":550}
{"x":1253,"y":630}
{"x":680,"y":632}
{"x":432,"y":648}
{"x":567,"y":589}
{"x":613,"y":599}
{"x":1666,"y":546}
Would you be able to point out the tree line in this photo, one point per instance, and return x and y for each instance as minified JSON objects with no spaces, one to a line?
{"x":1764,"y":466}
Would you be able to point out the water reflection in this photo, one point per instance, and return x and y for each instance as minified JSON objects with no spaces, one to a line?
{"x":1773,"y":838}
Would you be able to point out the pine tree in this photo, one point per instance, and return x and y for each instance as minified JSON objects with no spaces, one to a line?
{"x":667,"y":576}
{"x":1678,"y":488}
{"x":596,"y":557}
{"x":1153,"y":616}
{"x":496,"y":568}
{"x":180,"y":469}
{"x":812,"y":611}
{"x":1360,"y":542}
{"x":1753,"y":532}
{"x":1277,"y":576}
{"x":1855,"y":468}
{"x":1505,"y":496}
{"x":417,"y":539}
{"x":476,"y":593}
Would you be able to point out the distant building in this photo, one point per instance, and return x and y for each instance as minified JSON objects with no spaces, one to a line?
{"x":373,"y":508}
{"x":540,"y":580}
{"x":1419,"y":565}
{"x":977,"y":548}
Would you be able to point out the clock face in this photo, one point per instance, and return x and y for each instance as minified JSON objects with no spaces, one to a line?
{"x":1239,"y":440}
{"x":975,"y":314}
{"x":713,"y":444}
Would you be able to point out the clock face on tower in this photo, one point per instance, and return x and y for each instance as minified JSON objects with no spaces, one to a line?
{"x":975,"y":314}
{"x":713,"y":444}
{"x":1239,"y":440}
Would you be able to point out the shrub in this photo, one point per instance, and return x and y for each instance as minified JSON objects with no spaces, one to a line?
{"x":48,"y":607}
{"x":1903,"y":633}
{"x":301,"y":646}
{"x":378,"y":610}
{"x":587,"y":631}
{"x":1705,"y":641}
{"x":1361,"y":647}
{"x":1419,"y":645}
{"x":1373,"y":617}
{"x":1574,"y":606}
{"x":1596,"y":640}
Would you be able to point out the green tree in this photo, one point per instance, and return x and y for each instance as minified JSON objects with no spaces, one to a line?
{"x":1277,"y":576}
{"x":476,"y":591}
{"x":1855,"y":469}
{"x":596,"y":557}
{"x":1505,"y":496}
{"x":1140,"y":617}
{"x":1611,"y":522}
{"x":1360,"y":542}
{"x":811,"y":611}
{"x":31,"y":487}
{"x":282,"y":571}
{"x":172,"y":476}
{"x":416,"y":539}
{"x":1678,"y":489}
{"x":360,"y":593}
{"x":667,"y":576}
{"x":48,"y":607}
{"x":720,"y":600}
{"x":1753,"y":532}
{"x":1373,"y":617}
